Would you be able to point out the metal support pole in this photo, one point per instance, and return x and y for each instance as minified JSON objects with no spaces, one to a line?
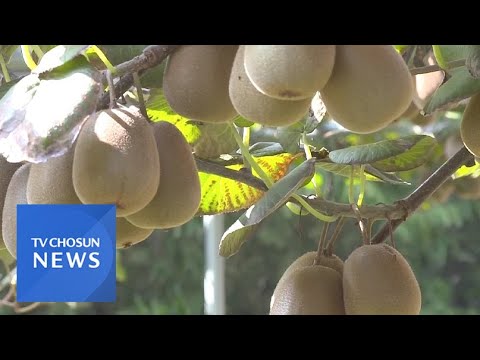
{"x":214,"y":280}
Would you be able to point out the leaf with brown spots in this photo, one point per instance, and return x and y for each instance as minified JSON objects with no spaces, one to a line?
{"x":222,"y":195}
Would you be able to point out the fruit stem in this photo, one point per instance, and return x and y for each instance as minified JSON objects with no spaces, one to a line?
{"x":141,"y":100}
{"x":308,"y":155}
{"x":246,"y":154}
{"x":362,"y":186}
{"x":361,"y":224}
{"x":246,"y":142}
{"x":111,"y":89}
{"x":321,"y":243}
{"x":104,"y":59}
{"x":27,"y":57}
{"x":432,"y":68}
{"x":268,"y":181}
{"x":351,"y":193}
{"x":152,"y":55}
{"x":5,"y":73}
{"x":333,"y":239}
{"x":423,"y":192}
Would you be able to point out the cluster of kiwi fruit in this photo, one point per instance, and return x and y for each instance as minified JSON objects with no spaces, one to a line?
{"x":364,"y":87}
{"x":374,"y":280}
{"x":146,"y":169}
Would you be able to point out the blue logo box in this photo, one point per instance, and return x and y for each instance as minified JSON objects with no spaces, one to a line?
{"x":66,"y":253}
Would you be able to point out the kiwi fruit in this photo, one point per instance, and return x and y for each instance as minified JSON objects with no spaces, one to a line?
{"x":377,"y":280}
{"x":16,"y":194}
{"x":308,"y":259}
{"x":215,"y":140}
{"x":426,"y":84}
{"x":129,"y":234}
{"x":310,"y":290}
{"x":195,"y":82}
{"x":470,"y":125}
{"x":369,"y":88}
{"x":51,"y":182}
{"x":257,"y":107}
{"x":7,"y":169}
{"x":178,"y":196}
{"x":289,"y":72}
{"x":116,"y":161}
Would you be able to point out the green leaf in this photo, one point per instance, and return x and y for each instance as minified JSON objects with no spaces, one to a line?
{"x":289,"y":136}
{"x":215,"y":140}
{"x":266,"y":149}
{"x":117,"y":54}
{"x":274,"y":198}
{"x":468,"y":171}
{"x":374,"y":152}
{"x":41,"y":118}
{"x":414,"y":157}
{"x":242,"y":122}
{"x":400,"y":48}
{"x":7,"y":51}
{"x":222,"y":195}
{"x":450,"y":53}
{"x":460,"y":86}
{"x":58,"y":56}
{"x":159,"y":110}
{"x":371,"y":174}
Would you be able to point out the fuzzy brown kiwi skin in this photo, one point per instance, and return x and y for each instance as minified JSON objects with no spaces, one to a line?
{"x":116,"y":161}
{"x":195,"y":82}
{"x":308,"y":259}
{"x":257,"y":107}
{"x":129,"y":234}
{"x":51,"y":182}
{"x":7,"y":169}
{"x":16,"y":194}
{"x":369,"y":88}
{"x":289,"y":72}
{"x":310,"y":290}
{"x":470,"y":125}
{"x":377,"y":280}
{"x":178,"y":195}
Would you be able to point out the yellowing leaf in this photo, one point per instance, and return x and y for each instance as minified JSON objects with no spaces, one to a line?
{"x":221,"y":195}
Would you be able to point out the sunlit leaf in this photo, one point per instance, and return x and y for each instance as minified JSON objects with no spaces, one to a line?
{"x":40,"y":118}
{"x":240,"y":231}
{"x":58,"y":56}
{"x":215,"y":140}
{"x":242,"y":122}
{"x":221,"y":195}
{"x":159,"y":110}
{"x":468,"y":171}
